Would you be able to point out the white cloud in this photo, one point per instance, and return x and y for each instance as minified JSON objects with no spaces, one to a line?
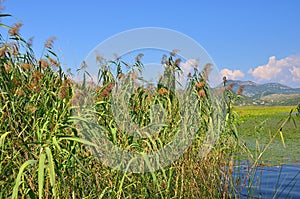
{"x":279,"y":70}
{"x":232,"y":74}
{"x":189,"y":64}
{"x":295,"y":74}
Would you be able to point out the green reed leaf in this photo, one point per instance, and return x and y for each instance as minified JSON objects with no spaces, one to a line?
{"x":41,"y":174}
{"x":18,"y":179}
{"x":51,"y":169}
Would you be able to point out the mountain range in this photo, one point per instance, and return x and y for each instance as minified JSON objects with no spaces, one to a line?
{"x":266,"y":94}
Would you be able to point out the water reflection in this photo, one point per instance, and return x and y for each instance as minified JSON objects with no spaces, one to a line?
{"x":281,"y":181}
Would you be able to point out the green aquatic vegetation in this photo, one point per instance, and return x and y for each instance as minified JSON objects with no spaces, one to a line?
{"x":258,"y":126}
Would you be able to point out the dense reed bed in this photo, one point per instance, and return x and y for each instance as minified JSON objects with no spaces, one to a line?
{"x":48,"y":152}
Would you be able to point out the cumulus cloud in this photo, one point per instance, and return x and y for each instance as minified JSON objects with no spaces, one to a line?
{"x":295,"y":74}
{"x":232,"y":74}
{"x":189,"y":64}
{"x":280,"y":70}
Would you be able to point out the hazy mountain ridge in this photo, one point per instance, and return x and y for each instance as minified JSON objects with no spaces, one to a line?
{"x":268,"y":94}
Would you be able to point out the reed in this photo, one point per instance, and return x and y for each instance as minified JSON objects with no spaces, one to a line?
{"x":45,"y":152}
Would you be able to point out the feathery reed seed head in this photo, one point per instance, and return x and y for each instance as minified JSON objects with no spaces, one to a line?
{"x":13,"y":31}
{"x":15,"y":49}
{"x":99,"y":58}
{"x":43,"y":63}
{"x":53,"y":62}
{"x":163,"y":59}
{"x":230,"y":86}
{"x":201,"y":93}
{"x":20,"y":92}
{"x":162,"y":91}
{"x":26,"y":66}
{"x":206,"y":71}
{"x":177,"y":62}
{"x":7,"y":68}
{"x":107,"y":90}
{"x":139,"y":57}
{"x":174,"y":52}
{"x":30,"y":42}
{"x":3,"y":50}
{"x":63,"y":90}
{"x":241,"y":89}
{"x":37,"y":75}
{"x":121,"y":76}
{"x":200,"y":84}
{"x":49,"y":42}
{"x":83,"y":65}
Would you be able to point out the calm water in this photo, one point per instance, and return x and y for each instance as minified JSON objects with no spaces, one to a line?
{"x":268,"y":181}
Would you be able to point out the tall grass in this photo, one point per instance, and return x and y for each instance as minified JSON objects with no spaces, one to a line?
{"x":43,"y":153}
{"x":47,"y":152}
{"x":190,"y":176}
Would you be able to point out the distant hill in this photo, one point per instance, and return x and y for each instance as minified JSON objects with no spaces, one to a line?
{"x":268,"y":94}
{"x":281,"y":99}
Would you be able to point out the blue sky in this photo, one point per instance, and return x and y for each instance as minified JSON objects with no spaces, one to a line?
{"x":247,"y":39}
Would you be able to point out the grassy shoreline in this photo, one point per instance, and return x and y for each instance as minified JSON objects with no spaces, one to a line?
{"x":258,"y":123}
